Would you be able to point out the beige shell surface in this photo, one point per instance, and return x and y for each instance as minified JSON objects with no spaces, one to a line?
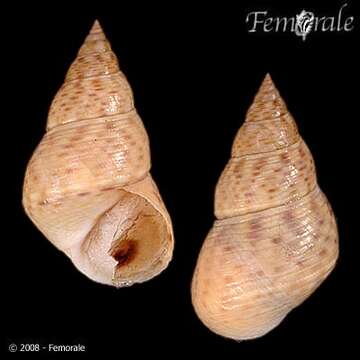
{"x":275,"y":238}
{"x":87,"y":186}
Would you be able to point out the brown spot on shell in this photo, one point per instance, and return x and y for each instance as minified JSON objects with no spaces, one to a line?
{"x":285,"y":158}
{"x":228,"y":248}
{"x":276,"y":240}
{"x":300,"y":263}
{"x":323,"y":252}
{"x":260,"y":164}
{"x":81,"y":129}
{"x":69,"y":170}
{"x":228,"y":279}
{"x":255,"y":225}
{"x":288,"y":216}
{"x":108,"y":188}
{"x":110,"y":125}
{"x":253,"y":243}
{"x":76,"y":138}
{"x":257,"y":296}
{"x":84,"y":193}
{"x":278,"y":269}
{"x":239,"y":166}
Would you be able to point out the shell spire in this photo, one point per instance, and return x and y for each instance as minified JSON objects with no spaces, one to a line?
{"x":87,"y":186}
{"x":266,"y":156}
{"x":275,"y":238}
{"x":95,"y":42}
{"x":96,"y":28}
{"x":268,"y":100}
{"x":268,"y":124}
{"x":94,"y":85}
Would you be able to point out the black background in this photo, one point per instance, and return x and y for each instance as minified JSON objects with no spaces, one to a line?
{"x":194,"y":71}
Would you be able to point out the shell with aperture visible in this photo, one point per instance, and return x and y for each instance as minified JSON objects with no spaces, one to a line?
{"x":87,"y":186}
{"x":275,"y":238}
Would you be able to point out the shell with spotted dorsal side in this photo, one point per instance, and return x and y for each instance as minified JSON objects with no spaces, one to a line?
{"x":275,"y":238}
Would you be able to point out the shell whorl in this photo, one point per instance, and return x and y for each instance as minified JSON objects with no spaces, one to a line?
{"x":270,"y":164}
{"x":94,"y":85}
{"x":275,"y":238}
{"x":87,"y":186}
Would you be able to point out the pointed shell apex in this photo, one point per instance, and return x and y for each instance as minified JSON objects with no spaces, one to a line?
{"x":96,"y":28}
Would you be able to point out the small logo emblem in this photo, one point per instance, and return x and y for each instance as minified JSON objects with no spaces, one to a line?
{"x":304,"y":23}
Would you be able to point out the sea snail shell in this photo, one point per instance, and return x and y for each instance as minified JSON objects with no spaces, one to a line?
{"x":275,"y":238}
{"x":87,"y":186}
